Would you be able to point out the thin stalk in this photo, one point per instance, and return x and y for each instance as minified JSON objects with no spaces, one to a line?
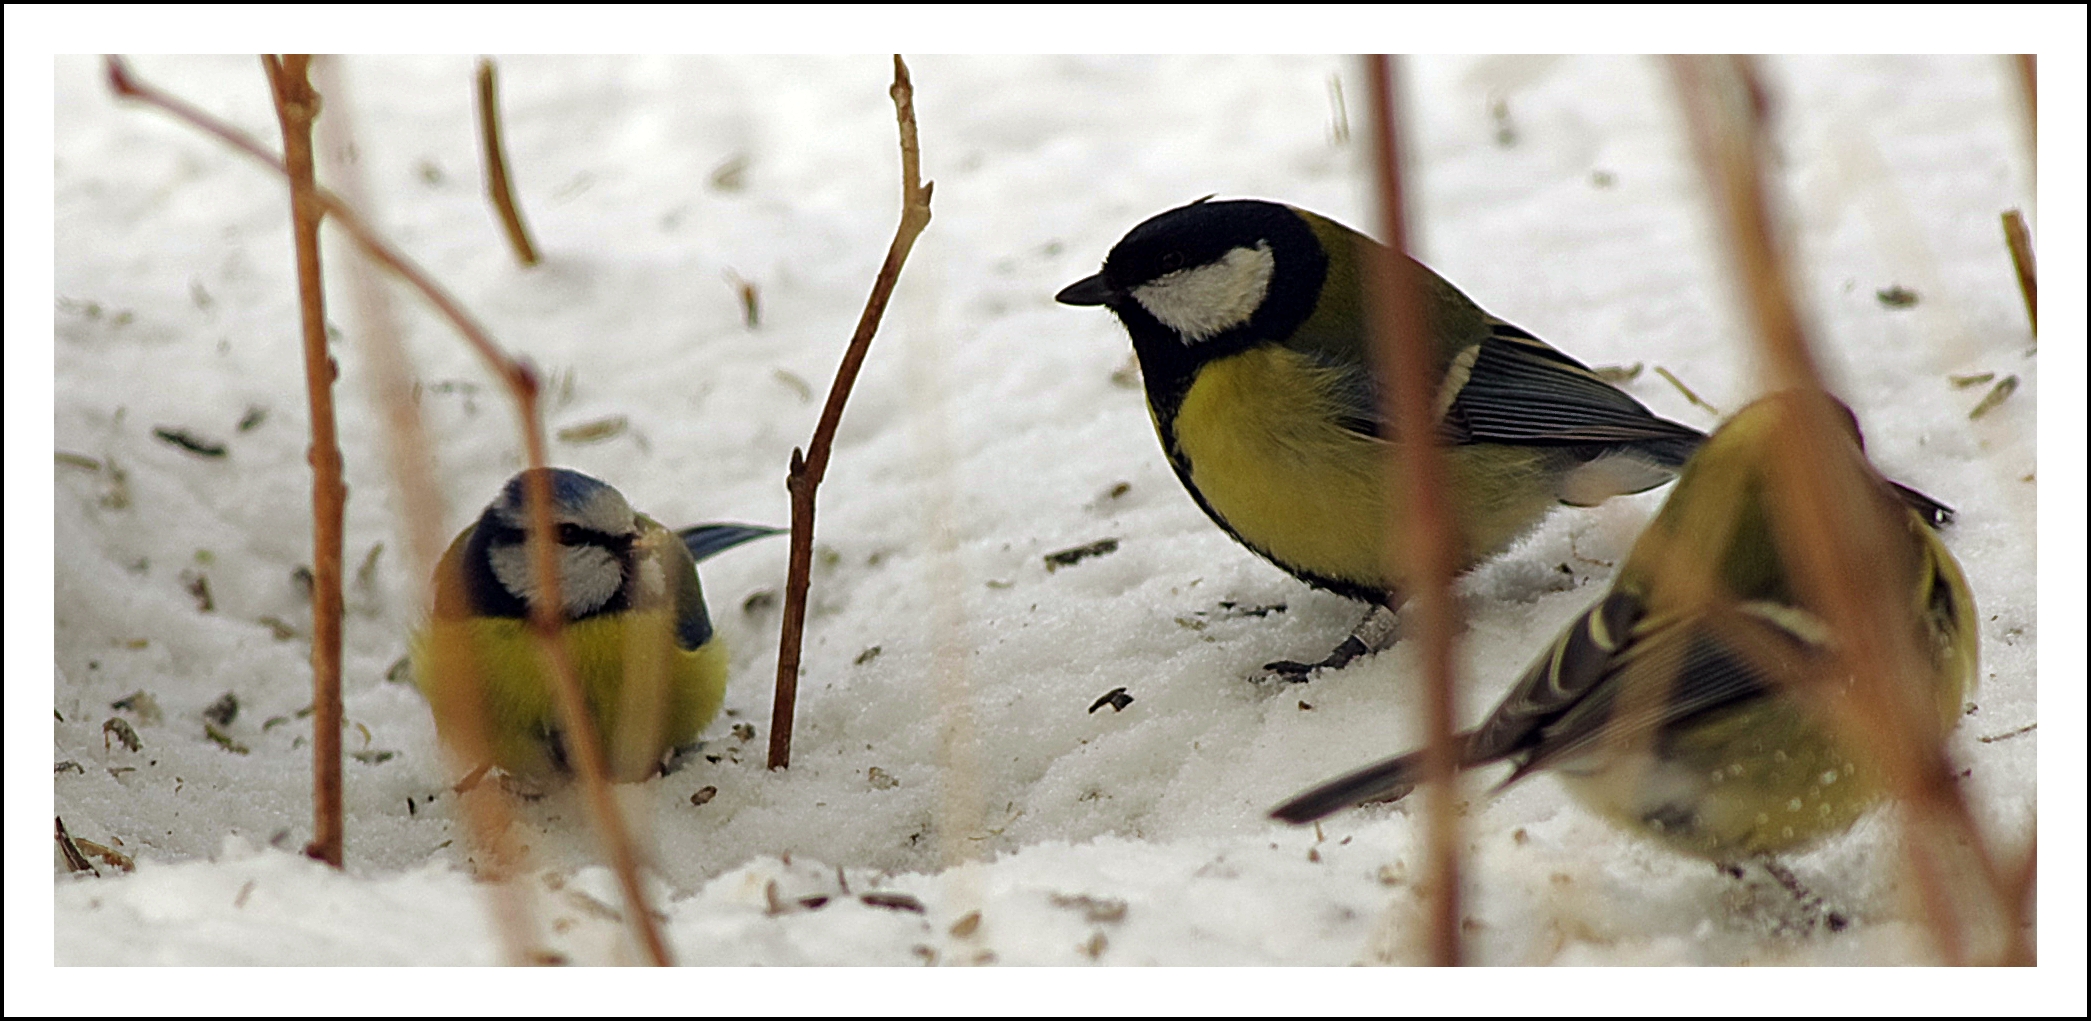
{"x":297,"y":105}
{"x":1830,"y":539}
{"x":522,"y":383}
{"x":498,"y":188}
{"x":2020,"y":241}
{"x":1401,"y":348}
{"x":809,"y":466}
{"x":488,"y":821}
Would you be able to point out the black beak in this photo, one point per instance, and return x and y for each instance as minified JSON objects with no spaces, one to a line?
{"x":1086,"y":291}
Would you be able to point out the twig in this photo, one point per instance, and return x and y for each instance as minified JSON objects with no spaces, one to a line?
{"x":2020,"y":241}
{"x":582,"y":741}
{"x":1694,"y":398}
{"x":808,"y":468}
{"x":1401,"y":348}
{"x":296,"y":107}
{"x":488,"y":822}
{"x":497,"y":185}
{"x":1831,"y":537}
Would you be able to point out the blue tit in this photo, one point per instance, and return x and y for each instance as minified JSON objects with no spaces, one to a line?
{"x":1688,"y":703}
{"x":1249,"y":322}
{"x":651,"y":667}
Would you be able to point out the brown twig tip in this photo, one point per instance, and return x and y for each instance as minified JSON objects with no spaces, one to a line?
{"x":120,"y":80}
{"x":522,"y":372}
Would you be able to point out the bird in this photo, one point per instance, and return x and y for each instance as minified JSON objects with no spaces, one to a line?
{"x":1248,"y":319}
{"x":651,"y":666}
{"x":1689,"y":704}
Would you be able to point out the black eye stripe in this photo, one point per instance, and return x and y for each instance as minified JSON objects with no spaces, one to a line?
{"x":568,"y":534}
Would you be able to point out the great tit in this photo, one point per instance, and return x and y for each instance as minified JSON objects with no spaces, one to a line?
{"x":1688,"y":703}
{"x":1249,"y":321}
{"x":652,"y":669}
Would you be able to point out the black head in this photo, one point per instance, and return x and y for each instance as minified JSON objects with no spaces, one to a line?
{"x":1214,"y":275}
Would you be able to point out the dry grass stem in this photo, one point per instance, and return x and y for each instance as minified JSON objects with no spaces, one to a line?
{"x":74,"y":860}
{"x":297,"y":106}
{"x":1689,"y":394}
{"x":1401,"y":352}
{"x":498,"y":187}
{"x":808,"y":468}
{"x":1837,"y":523}
{"x":488,"y":821}
{"x":584,"y":744}
{"x":2020,"y":241}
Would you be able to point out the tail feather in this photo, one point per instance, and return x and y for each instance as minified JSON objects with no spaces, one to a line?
{"x":1388,"y":780}
{"x":706,"y":540}
{"x":1934,"y":513}
{"x":1672,"y":451}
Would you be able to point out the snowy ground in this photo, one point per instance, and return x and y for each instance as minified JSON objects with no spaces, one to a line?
{"x":990,"y":427}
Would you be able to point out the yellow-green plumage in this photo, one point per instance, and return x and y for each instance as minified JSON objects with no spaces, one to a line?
{"x":1688,"y":704}
{"x":1249,"y":321}
{"x":651,"y":670}
{"x":635,"y":726}
{"x":1259,"y":433}
{"x":1765,"y":773}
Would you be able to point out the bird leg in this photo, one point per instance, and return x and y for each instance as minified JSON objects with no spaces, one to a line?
{"x":472,"y":778}
{"x":1817,"y":910}
{"x":679,"y":756}
{"x":1814,"y":913}
{"x":1372,"y":634}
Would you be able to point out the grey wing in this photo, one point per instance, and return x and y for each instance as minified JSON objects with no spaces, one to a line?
{"x":1513,"y":388}
{"x":1577,"y":663}
{"x":1565,"y":677}
{"x":1673,"y":670}
{"x":1518,"y":389}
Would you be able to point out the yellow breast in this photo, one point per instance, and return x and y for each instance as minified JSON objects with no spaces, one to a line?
{"x":1762,"y":778}
{"x":645,"y":695}
{"x":1260,"y":437}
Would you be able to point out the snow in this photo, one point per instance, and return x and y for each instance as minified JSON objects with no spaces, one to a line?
{"x":946,"y":748}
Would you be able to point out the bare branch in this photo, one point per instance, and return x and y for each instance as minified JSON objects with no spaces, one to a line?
{"x":583,"y":742}
{"x":811,"y":465}
{"x":1832,"y":533}
{"x":1402,"y":354}
{"x":297,"y":105}
{"x":461,"y":715}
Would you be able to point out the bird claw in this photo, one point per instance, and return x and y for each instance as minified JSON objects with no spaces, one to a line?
{"x":1297,"y":673}
{"x":1291,"y":672}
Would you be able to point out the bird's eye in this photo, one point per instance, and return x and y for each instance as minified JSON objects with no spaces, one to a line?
{"x":1172,"y":261}
{"x":570,"y":535}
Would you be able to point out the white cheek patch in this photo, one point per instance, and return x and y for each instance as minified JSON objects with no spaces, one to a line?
{"x":588,"y":576}
{"x":1205,"y":301}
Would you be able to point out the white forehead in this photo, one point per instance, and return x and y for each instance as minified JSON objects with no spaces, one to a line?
{"x":576,"y":500}
{"x":1204,"y":301}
